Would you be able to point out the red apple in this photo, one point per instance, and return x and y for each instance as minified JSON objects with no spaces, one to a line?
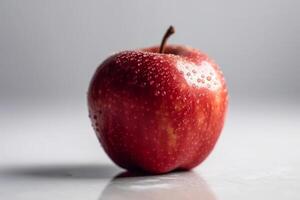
{"x":158,"y":109}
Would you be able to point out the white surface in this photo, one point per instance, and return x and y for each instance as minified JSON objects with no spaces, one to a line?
{"x":51,"y":152}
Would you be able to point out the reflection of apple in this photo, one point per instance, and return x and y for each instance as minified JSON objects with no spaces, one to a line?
{"x":183,"y":185}
{"x":158,"y":109}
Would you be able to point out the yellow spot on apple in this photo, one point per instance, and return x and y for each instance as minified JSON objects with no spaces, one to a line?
{"x":179,"y":106}
{"x":171,"y":135}
{"x":200,"y":117}
{"x":166,"y":126}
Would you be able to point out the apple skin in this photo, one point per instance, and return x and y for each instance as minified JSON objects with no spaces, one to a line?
{"x":157,"y":112}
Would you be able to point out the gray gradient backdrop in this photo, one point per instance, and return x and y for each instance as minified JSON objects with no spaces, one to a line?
{"x":50,"y":49}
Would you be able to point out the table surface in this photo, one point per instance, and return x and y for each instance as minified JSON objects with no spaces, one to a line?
{"x":49,"y":151}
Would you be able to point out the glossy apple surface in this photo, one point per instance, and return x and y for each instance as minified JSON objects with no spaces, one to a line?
{"x":158,"y":112}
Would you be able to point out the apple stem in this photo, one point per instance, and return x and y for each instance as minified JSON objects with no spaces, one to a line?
{"x":169,"y":32}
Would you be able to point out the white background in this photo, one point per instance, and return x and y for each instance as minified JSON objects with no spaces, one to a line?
{"x":50,"y":49}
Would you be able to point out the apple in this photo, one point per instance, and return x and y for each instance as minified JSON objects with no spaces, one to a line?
{"x":158,"y":109}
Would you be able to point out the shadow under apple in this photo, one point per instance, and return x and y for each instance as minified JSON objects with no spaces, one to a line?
{"x":62,"y":171}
